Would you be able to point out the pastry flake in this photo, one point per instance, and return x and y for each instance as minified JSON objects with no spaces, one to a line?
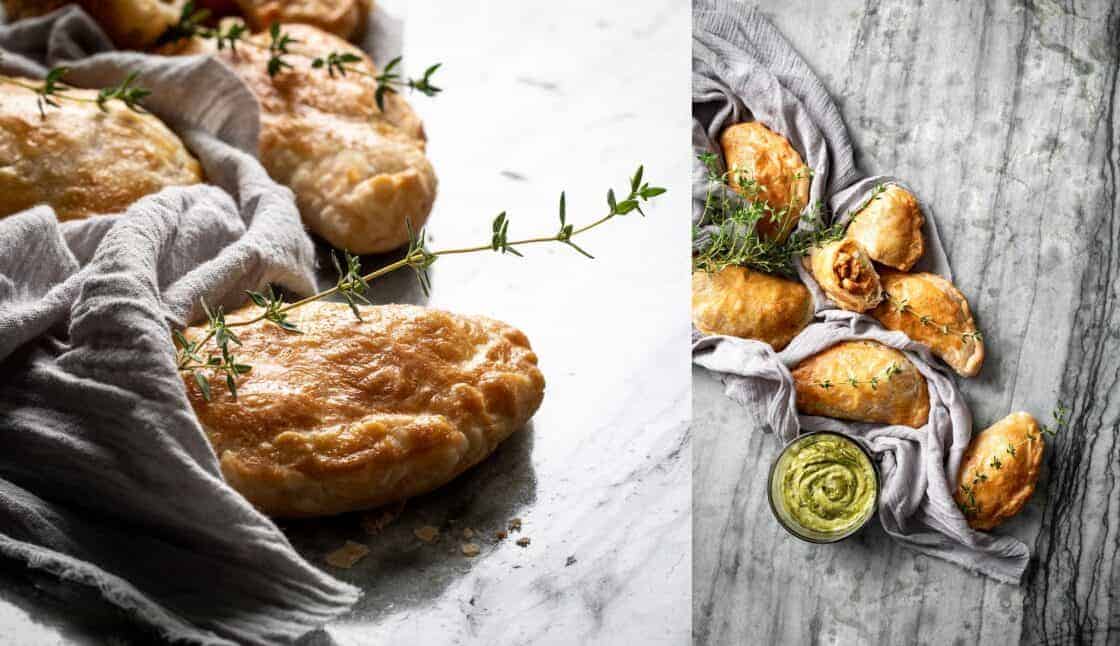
{"x":846,"y":275}
{"x":737,"y":301}
{"x":763,"y":166}
{"x":999,"y":470}
{"x":889,"y":228}
{"x":360,"y":175}
{"x":862,"y":381}
{"x":352,"y":415}
{"x":930,"y":310}
{"x":83,"y":161}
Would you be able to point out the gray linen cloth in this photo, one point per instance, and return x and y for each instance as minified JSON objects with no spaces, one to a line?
{"x":106,"y":478}
{"x":744,"y":69}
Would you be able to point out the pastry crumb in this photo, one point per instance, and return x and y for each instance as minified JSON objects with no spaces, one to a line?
{"x":501,"y":534}
{"x":346,"y":556}
{"x":468,"y":533}
{"x":523,"y":541}
{"x":470,"y":549}
{"x":515,"y":525}
{"x":378,"y":519}
{"x":427,"y":533}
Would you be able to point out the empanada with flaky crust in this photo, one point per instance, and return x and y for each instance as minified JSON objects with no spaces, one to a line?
{"x":889,"y":228}
{"x":343,"y":18}
{"x":360,"y":175}
{"x":356,"y":414}
{"x":862,"y":381}
{"x":763,"y":166}
{"x":132,"y":24}
{"x":749,"y":304}
{"x":930,"y":310}
{"x":846,"y":275}
{"x":999,"y":470}
{"x":81,"y":160}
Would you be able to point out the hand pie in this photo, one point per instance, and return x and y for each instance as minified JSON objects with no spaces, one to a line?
{"x":889,"y":228}
{"x":762,"y":166}
{"x":739,"y":302}
{"x":132,"y":24}
{"x":343,"y":18}
{"x":359,"y":174}
{"x":862,"y":381}
{"x":80,"y":160}
{"x":357,"y":414}
{"x":930,"y":310}
{"x":846,"y":275}
{"x":999,"y":470}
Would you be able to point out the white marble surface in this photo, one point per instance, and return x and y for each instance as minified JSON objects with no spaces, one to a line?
{"x":539,"y":97}
{"x":1002,"y":116}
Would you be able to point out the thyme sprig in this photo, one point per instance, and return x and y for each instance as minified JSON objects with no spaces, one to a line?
{"x":969,"y":507}
{"x":902,"y":306}
{"x":733,"y":237}
{"x":855,"y":382}
{"x":192,"y":23}
{"x":53,"y":89}
{"x":352,"y":285}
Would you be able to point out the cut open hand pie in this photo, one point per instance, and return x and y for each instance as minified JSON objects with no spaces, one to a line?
{"x":999,"y":470}
{"x":739,"y":302}
{"x":930,"y":310}
{"x":764,"y":167}
{"x":81,"y":160}
{"x":889,"y":228}
{"x":356,"y":414}
{"x":846,"y":275}
{"x":862,"y":381}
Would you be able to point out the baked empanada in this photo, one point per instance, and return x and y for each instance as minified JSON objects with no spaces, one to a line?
{"x":930,"y":310}
{"x":359,"y":174}
{"x":739,"y":302}
{"x":999,"y":470}
{"x":132,"y":24}
{"x":845,"y":274}
{"x":889,"y":228}
{"x":862,"y":381}
{"x":762,"y":166}
{"x":357,"y":414}
{"x":344,"y":18}
{"x":81,"y":160}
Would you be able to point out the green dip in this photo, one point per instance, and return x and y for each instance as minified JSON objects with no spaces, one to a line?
{"x":823,"y":487}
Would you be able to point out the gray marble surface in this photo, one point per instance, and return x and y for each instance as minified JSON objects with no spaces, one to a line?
{"x":1003,"y":116}
{"x":538,"y":98}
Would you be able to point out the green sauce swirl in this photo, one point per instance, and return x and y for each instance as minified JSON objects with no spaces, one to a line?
{"x":824,"y":486}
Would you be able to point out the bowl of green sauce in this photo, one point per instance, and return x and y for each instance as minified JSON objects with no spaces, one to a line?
{"x":824,"y":487}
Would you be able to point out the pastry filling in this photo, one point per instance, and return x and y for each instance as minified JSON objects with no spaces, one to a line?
{"x":824,"y":487}
{"x":853,"y":271}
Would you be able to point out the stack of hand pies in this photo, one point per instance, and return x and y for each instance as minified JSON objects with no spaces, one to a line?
{"x":349,"y":414}
{"x":868,"y":270}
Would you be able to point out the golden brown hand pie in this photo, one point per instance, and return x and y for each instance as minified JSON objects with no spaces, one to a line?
{"x":132,"y":24}
{"x":930,"y":310}
{"x":82,"y":161}
{"x":862,"y":381}
{"x":344,"y":18}
{"x":999,"y":470}
{"x":762,"y":166}
{"x":889,"y":228}
{"x":352,"y":415}
{"x":739,"y":302}
{"x":359,"y":174}
{"x":845,"y":274}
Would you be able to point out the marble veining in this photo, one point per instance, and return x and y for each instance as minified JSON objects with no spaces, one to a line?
{"x":538,"y":99}
{"x":1002,"y":115}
